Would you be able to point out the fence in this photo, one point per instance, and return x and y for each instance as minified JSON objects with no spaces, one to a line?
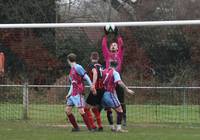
{"x":158,"y":52}
{"x":46,"y":103}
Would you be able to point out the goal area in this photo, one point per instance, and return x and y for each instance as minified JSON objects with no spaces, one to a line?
{"x":161,"y":64}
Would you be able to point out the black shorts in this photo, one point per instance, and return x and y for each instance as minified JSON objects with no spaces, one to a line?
{"x":120,"y":93}
{"x":95,"y":100}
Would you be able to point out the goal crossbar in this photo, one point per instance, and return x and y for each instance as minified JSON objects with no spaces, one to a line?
{"x":102,"y":24}
{"x":133,"y":87}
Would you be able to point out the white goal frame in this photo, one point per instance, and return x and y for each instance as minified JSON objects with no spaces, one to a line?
{"x":26,"y":86}
{"x":102,"y":24}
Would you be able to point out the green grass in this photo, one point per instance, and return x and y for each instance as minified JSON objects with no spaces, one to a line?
{"x":43,"y":113}
{"x":22,"y":130}
{"x":145,"y":122}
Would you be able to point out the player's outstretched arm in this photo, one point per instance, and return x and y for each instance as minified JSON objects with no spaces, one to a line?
{"x":121,"y":83}
{"x":104,"y":47}
{"x":120,"y":44}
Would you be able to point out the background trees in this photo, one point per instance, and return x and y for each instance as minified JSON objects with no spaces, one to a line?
{"x":168,"y":55}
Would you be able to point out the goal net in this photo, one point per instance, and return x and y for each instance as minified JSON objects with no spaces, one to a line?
{"x":161,"y":64}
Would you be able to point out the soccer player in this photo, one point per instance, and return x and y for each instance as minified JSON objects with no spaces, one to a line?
{"x":110,"y":79}
{"x":75,"y":97}
{"x":93,"y":101}
{"x":115,"y":52}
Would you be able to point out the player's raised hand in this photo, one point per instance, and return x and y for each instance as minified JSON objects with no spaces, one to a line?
{"x":105,"y":31}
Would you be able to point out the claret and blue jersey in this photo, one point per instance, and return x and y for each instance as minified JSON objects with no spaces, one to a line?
{"x":110,"y":79}
{"x":76,"y":76}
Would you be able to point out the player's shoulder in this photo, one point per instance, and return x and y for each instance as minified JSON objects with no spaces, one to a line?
{"x":115,"y":72}
{"x":78,"y":66}
{"x":97,"y":65}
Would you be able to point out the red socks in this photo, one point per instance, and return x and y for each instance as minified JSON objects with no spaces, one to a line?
{"x":86,"y":120}
{"x":90,"y":118}
{"x":73,"y":120}
{"x":98,"y":116}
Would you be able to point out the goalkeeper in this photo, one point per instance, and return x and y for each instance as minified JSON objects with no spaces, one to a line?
{"x":114,"y":52}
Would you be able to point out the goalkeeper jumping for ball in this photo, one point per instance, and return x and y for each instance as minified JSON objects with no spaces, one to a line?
{"x":114,"y":52}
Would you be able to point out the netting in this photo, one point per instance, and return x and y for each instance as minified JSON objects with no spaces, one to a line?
{"x":34,"y":78}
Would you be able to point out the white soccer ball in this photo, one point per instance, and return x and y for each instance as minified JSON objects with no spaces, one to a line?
{"x":110,"y":28}
{"x":133,"y":1}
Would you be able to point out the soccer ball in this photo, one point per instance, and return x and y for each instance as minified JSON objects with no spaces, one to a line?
{"x":110,"y":28}
{"x":133,"y":1}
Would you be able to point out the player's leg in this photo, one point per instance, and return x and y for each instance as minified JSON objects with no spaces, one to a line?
{"x":120,"y":95}
{"x":107,"y":102}
{"x":124,"y":113}
{"x":71,"y":118}
{"x":110,"y":117}
{"x":108,"y":114}
{"x":117,"y":106}
{"x":90,"y":117}
{"x":95,"y":108}
{"x":119,"y":112}
{"x":80,"y":104}
{"x":101,"y":106}
{"x":91,"y":102}
{"x":85,"y":117}
{"x":96,"y":112}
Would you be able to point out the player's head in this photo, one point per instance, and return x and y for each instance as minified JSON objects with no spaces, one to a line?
{"x":113,"y":63}
{"x":113,"y":47}
{"x":71,"y":58}
{"x":94,"y":57}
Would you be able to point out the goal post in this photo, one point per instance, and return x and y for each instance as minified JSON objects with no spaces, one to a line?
{"x":161,"y":64}
{"x":102,"y":24}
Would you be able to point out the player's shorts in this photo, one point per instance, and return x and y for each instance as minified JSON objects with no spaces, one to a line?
{"x":110,"y":100}
{"x":77,"y":101}
{"x":120,"y":93}
{"x":95,"y":100}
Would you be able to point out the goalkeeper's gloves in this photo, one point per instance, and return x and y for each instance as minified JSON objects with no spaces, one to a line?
{"x":106,"y":32}
{"x":116,"y":31}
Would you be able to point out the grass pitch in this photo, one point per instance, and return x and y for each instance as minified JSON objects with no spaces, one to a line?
{"x":23,"y":130}
{"x":45,"y":113}
{"x":145,"y":122}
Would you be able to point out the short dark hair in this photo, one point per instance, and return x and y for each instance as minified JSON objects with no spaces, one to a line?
{"x":71,"y":57}
{"x":113,"y":63}
{"x":95,"y":55}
